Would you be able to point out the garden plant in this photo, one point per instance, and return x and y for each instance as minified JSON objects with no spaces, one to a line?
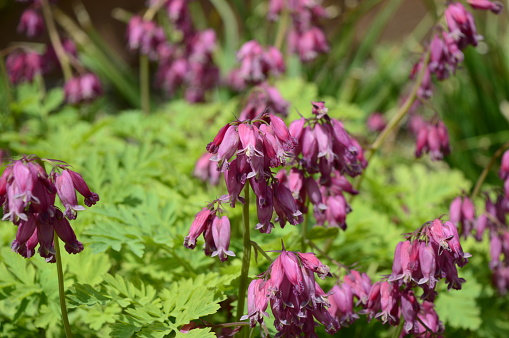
{"x":263,"y":168}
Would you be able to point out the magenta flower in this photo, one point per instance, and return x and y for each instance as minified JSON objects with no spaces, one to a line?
{"x":376,"y":122}
{"x":23,"y":66}
{"x":461,"y":25}
{"x":256,"y":63}
{"x":206,"y":170}
{"x":83,"y":88}
{"x":294,"y":296}
{"x":264,"y":98}
{"x":144,"y":36}
{"x":202,"y":221}
{"x":494,"y":6}
{"x":433,"y":138}
{"x":221,"y":236}
{"x":462,"y":212}
{"x":308,"y":44}
{"x":28,"y":193}
{"x":31,"y":23}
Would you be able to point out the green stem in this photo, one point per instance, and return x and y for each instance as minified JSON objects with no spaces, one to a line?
{"x":487,"y":169}
{"x":55,"y":40}
{"x":61,"y":292}
{"x":247,"y":256}
{"x":394,"y":122}
{"x":145,"y":84}
{"x":260,"y":250}
{"x":281,"y":30}
{"x":305,"y":225}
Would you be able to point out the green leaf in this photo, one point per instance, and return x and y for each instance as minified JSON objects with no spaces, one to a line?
{"x":459,"y":308}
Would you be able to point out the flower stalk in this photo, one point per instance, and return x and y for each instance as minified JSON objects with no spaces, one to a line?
{"x":487,"y":169}
{"x":61,"y":291}
{"x":55,"y":40}
{"x":394,"y":122}
{"x":246,"y":257}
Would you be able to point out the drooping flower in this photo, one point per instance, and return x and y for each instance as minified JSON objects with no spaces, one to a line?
{"x":23,"y":66}
{"x":295,"y":298}
{"x":28,"y":194}
{"x":461,"y":25}
{"x":83,"y":88}
{"x":494,"y":6}
{"x":31,"y":23}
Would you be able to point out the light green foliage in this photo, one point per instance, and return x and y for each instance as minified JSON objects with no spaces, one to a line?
{"x":459,"y":308}
{"x":135,"y":278}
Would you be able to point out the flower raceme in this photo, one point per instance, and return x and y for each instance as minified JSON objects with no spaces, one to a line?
{"x":215,"y":230}
{"x":27,"y":194}
{"x":295,"y":298}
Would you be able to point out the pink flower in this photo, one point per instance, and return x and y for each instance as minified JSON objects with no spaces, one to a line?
{"x":221,"y":236}
{"x":83,"y":88}
{"x":461,"y":25}
{"x":496,"y":7}
{"x":31,"y":23}
{"x":23,"y":66}
{"x":27,"y":194}
{"x":295,"y":298}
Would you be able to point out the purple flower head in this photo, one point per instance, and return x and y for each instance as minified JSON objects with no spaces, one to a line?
{"x":28,"y":194}
{"x":285,"y":206}
{"x":462,"y":212}
{"x":308,"y":44}
{"x":264,"y":98}
{"x":31,"y":23}
{"x":81,"y":186}
{"x":258,"y":301}
{"x":144,"y":36}
{"x":67,"y":194}
{"x":461,"y":25}
{"x":179,"y":14}
{"x":202,"y":221}
{"x":295,"y":297}
{"x":504,"y":166}
{"x":83,"y":88}
{"x":256,"y":63}
{"x":23,"y":66}
{"x":206,"y":170}
{"x":433,"y":138}
{"x":360,"y":285}
{"x":221,"y":235}
{"x":494,"y":6}
{"x":342,"y":304}
{"x":376,"y":122}
{"x":425,"y":90}
{"x":444,"y":56}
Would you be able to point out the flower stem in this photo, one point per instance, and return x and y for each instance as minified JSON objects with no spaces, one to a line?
{"x":61,"y":291}
{"x":247,"y":257}
{"x":487,"y":169}
{"x":145,"y":84}
{"x":55,"y":40}
{"x":281,"y":30}
{"x":393,"y":123}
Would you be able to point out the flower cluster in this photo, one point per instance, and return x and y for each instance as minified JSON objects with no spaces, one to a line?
{"x":428,"y":255}
{"x":493,"y":221}
{"x":342,"y":296}
{"x":24,"y":64}
{"x":186,"y":62}
{"x":306,"y":38}
{"x":257,"y":63}
{"x":215,"y":230}
{"x":446,"y":47}
{"x":432,"y":138}
{"x":83,"y":88}
{"x":462,"y":213}
{"x":326,"y":148}
{"x":295,"y":297}
{"x":27,"y":194}
{"x":264,"y":98}
{"x":376,"y":122}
